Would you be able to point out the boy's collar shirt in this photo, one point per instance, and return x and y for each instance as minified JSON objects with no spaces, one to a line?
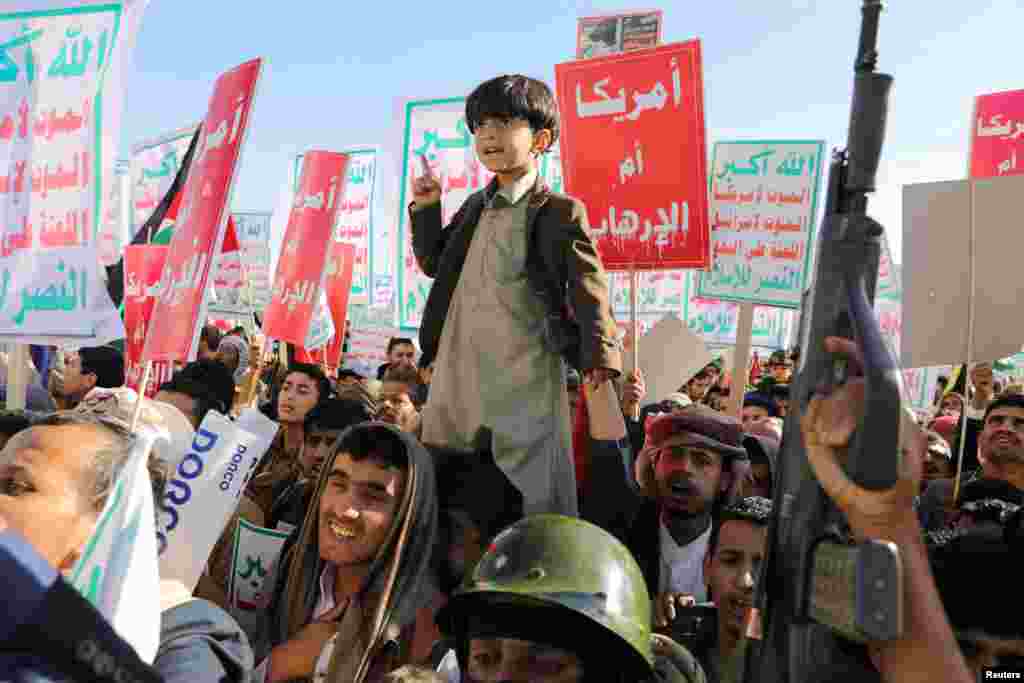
{"x":516,"y":191}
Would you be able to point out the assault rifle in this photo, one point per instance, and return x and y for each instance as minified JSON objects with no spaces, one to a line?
{"x":818,"y":590}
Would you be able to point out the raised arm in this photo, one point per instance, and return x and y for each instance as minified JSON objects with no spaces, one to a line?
{"x":928,"y":649}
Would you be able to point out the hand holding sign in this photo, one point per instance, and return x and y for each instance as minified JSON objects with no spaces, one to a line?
{"x":426,"y":189}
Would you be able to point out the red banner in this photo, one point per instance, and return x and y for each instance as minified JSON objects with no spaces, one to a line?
{"x":339,"y":287}
{"x":633,"y":149}
{"x":200,"y":228}
{"x":143,"y":266}
{"x":997,"y":135}
{"x":300,"y":267}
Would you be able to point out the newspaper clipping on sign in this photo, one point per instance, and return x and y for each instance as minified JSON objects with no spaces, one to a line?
{"x":611,"y":34}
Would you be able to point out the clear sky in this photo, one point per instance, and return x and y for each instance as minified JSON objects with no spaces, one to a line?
{"x":777,"y":69}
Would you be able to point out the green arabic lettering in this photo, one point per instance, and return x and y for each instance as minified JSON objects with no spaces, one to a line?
{"x":253,"y":564}
{"x":8,"y":67}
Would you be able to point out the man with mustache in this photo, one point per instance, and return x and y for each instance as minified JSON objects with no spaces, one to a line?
{"x":399,"y":398}
{"x":1000,"y":454}
{"x":1001,"y":442}
{"x":731,"y":568}
{"x":693,"y":461}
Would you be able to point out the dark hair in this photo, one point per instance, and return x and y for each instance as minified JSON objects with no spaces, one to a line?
{"x":239,"y":331}
{"x":407,"y":375}
{"x":336,"y":414}
{"x":202,"y":401}
{"x":514,"y":97}
{"x":106,"y":362}
{"x":358,"y":394}
{"x":978,"y":608}
{"x":942,"y":380}
{"x":348,"y":372}
{"x":208,"y":382}
{"x":703,"y":374}
{"x":377,"y":444}
{"x":13,"y":421}
{"x":753,"y":509}
{"x":1007,"y":401}
{"x":760,"y":400}
{"x":314,"y":372}
{"x":211,"y":335}
{"x":398,"y":341}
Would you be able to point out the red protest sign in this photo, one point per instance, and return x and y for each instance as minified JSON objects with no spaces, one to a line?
{"x":300,"y":267}
{"x":199,"y":233}
{"x":340,"y":266}
{"x":997,"y":135}
{"x":633,"y":149}
{"x":143,"y":266}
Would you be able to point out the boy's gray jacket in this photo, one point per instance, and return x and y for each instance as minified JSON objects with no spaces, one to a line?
{"x":562,"y":265}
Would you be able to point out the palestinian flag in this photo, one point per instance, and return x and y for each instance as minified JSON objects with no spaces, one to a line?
{"x":159,"y":228}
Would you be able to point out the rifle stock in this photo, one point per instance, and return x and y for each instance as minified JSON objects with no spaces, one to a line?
{"x":817,"y":588}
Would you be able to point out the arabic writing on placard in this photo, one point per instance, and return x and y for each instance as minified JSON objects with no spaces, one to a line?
{"x":368,"y":345}
{"x":633,"y":148}
{"x":716,"y":322}
{"x":58,"y":173}
{"x":297,"y":311}
{"x":355,"y":219}
{"x":202,"y":219}
{"x":997,"y":135}
{"x":661,"y":291}
{"x":143,"y":266}
{"x":437,"y":130}
{"x":154,"y":166}
{"x":763,"y":203}
{"x":242,"y":282}
{"x":890,"y":282}
{"x":112,"y":225}
{"x":338,"y":284}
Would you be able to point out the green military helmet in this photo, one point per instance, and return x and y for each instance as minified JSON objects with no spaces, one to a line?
{"x":562,"y":582}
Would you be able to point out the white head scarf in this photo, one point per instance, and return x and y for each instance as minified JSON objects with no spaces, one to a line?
{"x":239,"y":345}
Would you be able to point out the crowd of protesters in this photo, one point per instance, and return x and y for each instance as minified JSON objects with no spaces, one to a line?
{"x":454,"y":518}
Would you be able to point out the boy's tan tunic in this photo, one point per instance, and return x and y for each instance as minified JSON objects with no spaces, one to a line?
{"x":493,"y":369}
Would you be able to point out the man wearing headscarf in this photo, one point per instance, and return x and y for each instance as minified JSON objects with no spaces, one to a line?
{"x":233,"y":352}
{"x":354,"y":576}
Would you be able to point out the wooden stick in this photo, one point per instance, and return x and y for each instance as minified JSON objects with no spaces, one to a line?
{"x":634,"y":305}
{"x":142,"y":394}
{"x":741,"y":357}
{"x":17,"y":376}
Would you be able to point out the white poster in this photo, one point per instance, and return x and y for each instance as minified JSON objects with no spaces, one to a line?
{"x":118,"y":572}
{"x":763,"y":204}
{"x":254,"y":566}
{"x":242,"y":283}
{"x":61,"y":93}
{"x":155,"y":163}
{"x":203,"y":491}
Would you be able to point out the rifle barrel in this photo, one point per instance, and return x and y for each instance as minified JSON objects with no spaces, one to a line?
{"x":867,"y":54}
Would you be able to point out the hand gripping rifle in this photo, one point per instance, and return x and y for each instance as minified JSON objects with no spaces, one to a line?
{"x":817,"y":588}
